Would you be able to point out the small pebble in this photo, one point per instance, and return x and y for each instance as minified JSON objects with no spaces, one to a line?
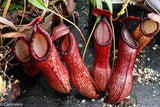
{"x":109,"y":105}
{"x":137,"y":60}
{"x":140,"y":71}
{"x":128,"y":97}
{"x":154,"y":91}
{"x":135,"y":65}
{"x":83,"y":101}
{"x":156,"y":45}
{"x":134,"y":105}
{"x":154,"y":48}
{"x":157,"y":75}
{"x":93,"y":100}
{"x":140,"y":80}
{"x":104,"y":104}
{"x":24,"y":91}
{"x":101,"y":100}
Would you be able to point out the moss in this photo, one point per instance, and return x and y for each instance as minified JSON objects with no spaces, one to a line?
{"x":15,"y":5}
{"x":80,"y":45}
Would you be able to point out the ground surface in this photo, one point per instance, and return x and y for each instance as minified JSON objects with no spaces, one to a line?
{"x":36,"y":92}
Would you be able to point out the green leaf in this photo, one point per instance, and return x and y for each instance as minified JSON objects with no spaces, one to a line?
{"x":90,"y":55}
{"x":93,"y":2}
{"x":39,"y":4}
{"x":109,"y":3}
{"x":97,"y":3}
{"x":80,"y":45}
{"x":98,"y":19}
{"x":123,"y":8}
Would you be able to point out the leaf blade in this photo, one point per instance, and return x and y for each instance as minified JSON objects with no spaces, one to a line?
{"x":13,"y":35}
{"x":109,"y":3}
{"x":39,"y":4}
{"x":123,"y":8}
{"x":97,"y":3}
{"x":7,"y":22}
{"x":93,"y":2}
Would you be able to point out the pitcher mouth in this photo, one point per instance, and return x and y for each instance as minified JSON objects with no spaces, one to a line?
{"x":143,"y":30}
{"x":103,"y":28}
{"x":66,"y":44}
{"x":39,"y":33}
{"x":22,"y":57}
{"x":128,"y":38}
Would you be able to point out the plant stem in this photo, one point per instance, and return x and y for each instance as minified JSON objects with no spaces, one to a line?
{"x":44,"y":11}
{"x":56,"y":10}
{"x":115,"y":18}
{"x":84,"y":52}
{"x":4,"y":15}
{"x":1,"y":40}
{"x":24,"y":10}
{"x":126,"y":12}
{"x":7,"y":52}
{"x":1,"y":45}
{"x":114,"y":46}
{"x":6,"y":8}
{"x":70,"y":23}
